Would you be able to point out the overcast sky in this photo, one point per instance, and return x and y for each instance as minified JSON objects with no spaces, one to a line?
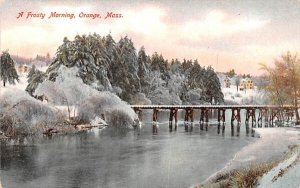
{"x":225,"y":34}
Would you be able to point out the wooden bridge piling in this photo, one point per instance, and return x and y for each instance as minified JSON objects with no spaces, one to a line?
{"x":289,"y":114}
{"x":138,"y":111}
{"x":204,"y":114}
{"x":269,"y":114}
{"x":189,"y":115}
{"x":236,"y":115}
{"x":250,"y":113}
{"x":263,"y":115}
{"x":221,"y":115}
{"x":173,"y":115}
{"x":155,"y":114}
{"x":275,"y":113}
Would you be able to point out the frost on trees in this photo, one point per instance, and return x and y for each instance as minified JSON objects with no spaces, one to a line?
{"x":158,"y":92}
{"x":34,"y":78}
{"x":8,"y":72}
{"x":82,"y":100}
{"x":106,"y":65}
{"x":23,"y":115}
{"x":105,"y":104}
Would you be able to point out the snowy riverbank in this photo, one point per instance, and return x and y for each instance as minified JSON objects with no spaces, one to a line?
{"x":285,"y":174}
{"x":271,"y":146}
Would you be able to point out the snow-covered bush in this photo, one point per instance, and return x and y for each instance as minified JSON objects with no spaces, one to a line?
{"x":69,"y":89}
{"x":109,"y":105}
{"x":20,"y":114}
{"x":120,"y":118}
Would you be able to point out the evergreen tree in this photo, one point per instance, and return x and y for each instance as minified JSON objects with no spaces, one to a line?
{"x":8,"y":71}
{"x":159,"y":64}
{"x":127,"y":71}
{"x":35,"y":77}
{"x":212,"y":87}
{"x":31,"y":72}
{"x":175,"y":66}
{"x":142,"y":67}
{"x":106,"y":65}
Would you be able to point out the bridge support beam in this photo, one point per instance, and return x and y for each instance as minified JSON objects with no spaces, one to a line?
{"x":204,"y":113}
{"x":236,"y":115}
{"x":155,"y":114}
{"x":289,"y":114}
{"x":221,"y":115}
{"x":263,"y":115}
{"x":275,"y":113}
{"x":173,"y":115}
{"x":250,"y":113}
{"x":138,"y":111}
{"x":221,"y":118}
{"x":189,"y":116}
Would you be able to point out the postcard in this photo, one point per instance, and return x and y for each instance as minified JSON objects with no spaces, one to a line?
{"x":149,"y":93}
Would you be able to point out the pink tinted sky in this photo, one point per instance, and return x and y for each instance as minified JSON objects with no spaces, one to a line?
{"x":225,"y":34}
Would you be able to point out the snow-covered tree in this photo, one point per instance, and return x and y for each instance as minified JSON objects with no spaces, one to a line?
{"x":8,"y":72}
{"x":126,"y":73}
{"x":158,"y":92}
{"x":34,"y":78}
{"x":143,"y":64}
{"x":107,"y":65}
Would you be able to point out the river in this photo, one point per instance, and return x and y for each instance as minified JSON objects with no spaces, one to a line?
{"x":133,"y":158}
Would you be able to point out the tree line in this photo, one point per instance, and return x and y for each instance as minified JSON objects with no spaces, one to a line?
{"x":116,"y":66}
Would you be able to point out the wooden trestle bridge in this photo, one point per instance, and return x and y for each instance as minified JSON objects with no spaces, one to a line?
{"x":266,"y":113}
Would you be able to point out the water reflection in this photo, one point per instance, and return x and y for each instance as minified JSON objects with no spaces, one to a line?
{"x":154,"y":127}
{"x":148,"y":156}
{"x":189,"y":127}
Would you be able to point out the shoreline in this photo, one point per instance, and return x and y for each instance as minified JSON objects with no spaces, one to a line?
{"x":272,"y":144}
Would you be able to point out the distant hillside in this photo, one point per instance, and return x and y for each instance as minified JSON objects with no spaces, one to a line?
{"x":38,"y":60}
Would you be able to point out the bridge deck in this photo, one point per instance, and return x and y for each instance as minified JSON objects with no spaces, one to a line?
{"x":209,"y":106}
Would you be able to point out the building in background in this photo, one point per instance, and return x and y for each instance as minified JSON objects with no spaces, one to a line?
{"x":227,"y":82}
{"x":246,"y":83}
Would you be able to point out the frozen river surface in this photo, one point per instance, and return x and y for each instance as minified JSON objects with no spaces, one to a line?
{"x":133,"y":158}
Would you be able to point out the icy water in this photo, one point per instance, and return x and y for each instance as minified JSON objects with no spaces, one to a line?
{"x":133,"y":159}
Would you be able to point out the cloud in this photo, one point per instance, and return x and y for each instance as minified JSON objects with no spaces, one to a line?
{"x":147,"y":21}
{"x":217,"y":23}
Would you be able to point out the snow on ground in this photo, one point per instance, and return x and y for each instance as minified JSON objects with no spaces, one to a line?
{"x":21,"y":85}
{"x":285,"y":174}
{"x":248,"y":96}
{"x":272,"y":144}
{"x":42,"y":68}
